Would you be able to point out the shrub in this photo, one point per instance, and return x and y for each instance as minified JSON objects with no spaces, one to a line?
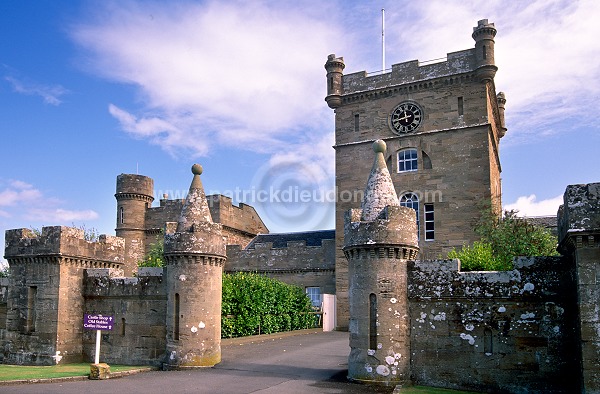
{"x":478,"y":257}
{"x":154,"y":258}
{"x":254,"y":304}
{"x":502,"y":239}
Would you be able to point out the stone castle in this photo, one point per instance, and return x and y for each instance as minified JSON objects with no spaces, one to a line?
{"x":411,"y":317}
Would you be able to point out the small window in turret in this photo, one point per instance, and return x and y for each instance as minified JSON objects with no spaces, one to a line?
{"x":121,"y":215}
{"x":330,"y":83}
{"x":460,"y":107}
{"x":484,"y":52}
{"x":356,"y":122}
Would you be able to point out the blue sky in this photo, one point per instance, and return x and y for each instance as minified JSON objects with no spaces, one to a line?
{"x":92,"y":89}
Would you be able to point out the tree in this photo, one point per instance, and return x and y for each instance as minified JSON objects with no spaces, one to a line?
{"x":154,"y":258}
{"x":502,"y":239}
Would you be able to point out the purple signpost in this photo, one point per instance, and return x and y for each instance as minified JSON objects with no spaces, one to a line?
{"x":98,"y":322}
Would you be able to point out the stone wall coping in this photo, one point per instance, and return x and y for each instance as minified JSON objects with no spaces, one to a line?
{"x":150,"y":271}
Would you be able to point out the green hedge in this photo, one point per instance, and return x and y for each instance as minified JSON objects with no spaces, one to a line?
{"x":254,"y":304}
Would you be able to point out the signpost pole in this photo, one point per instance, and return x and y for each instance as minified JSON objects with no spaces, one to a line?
{"x":97,"y":357}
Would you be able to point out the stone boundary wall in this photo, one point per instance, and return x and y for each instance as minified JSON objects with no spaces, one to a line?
{"x":296,"y":264}
{"x":479,"y":330}
{"x":138,"y":305}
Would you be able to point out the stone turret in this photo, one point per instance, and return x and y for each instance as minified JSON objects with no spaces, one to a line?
{"x":579,"y":235}
{"x":379,"y":239}
{"x":484,"y":34}
{"x":194,"y":257}
{"x":134,"y":196}
{"x":501,"y":98}
{"x":335,"y":67}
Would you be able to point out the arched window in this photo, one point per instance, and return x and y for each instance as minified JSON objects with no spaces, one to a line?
{"x":411,"y":200}
{"x":407,"y":160}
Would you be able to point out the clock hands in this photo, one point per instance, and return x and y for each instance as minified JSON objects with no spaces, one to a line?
{"x":406,"y":116}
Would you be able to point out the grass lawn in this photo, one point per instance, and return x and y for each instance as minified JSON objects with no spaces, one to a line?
{"x":20,"y":372}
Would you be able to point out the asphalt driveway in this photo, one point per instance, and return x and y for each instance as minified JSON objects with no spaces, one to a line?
{"x":312,"y":362}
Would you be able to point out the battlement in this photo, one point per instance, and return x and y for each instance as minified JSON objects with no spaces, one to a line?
{"x":576,"y":215}
{"x":242,"y":218}
{"x":63,"y":241}
{"x":410,"y":72}
{"x":133,"y":184}
{"x":395,"y":225}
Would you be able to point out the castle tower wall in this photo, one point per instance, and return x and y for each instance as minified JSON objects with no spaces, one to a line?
{"x":379,"y":239}
{"x":579,"y":235}
{"x":194,"y":257}
{"x":134,"y":197}
{"x":240,"y":223}
{"x":45,"y":303}
{"x":445,"y":160}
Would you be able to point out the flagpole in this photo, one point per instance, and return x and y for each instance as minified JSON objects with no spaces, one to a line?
{"x":382,"y":40}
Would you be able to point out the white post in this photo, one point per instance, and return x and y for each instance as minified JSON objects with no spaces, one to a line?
{"x":97,"y":357}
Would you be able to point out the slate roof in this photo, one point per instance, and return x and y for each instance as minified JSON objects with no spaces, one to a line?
{"x":312,"y":238}
{"x":549,"y":222}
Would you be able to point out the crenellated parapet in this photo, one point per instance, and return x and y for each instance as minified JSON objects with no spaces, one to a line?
{"x":411,"y":76}
{"x":240,"y":223}
{"x":579,"y":216}
{"x":392,"y":234}
{"x":68,"y":243}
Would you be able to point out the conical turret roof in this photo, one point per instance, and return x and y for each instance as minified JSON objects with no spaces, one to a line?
{"x":380,"y":191}
{"x":195,"y":209}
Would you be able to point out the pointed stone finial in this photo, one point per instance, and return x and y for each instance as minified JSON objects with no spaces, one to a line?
{"x":195,"y":209}
{"x":380,"y":191}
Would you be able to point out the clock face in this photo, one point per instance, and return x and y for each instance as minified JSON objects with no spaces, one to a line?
{"x":406,"y":117}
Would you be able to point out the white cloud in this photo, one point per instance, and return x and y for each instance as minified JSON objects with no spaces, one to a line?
{"x":22,"y":200}
{"x":546,"y":50}
{"x":59,"y":215}
{"x":249,"y":75}
{"x":530,"y":206}
{"x":244,"y":74}
{"x":51,"y":94}
{"x":19,"y":192}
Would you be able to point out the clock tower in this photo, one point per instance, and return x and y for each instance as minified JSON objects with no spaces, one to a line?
{"x":442,"y":123}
